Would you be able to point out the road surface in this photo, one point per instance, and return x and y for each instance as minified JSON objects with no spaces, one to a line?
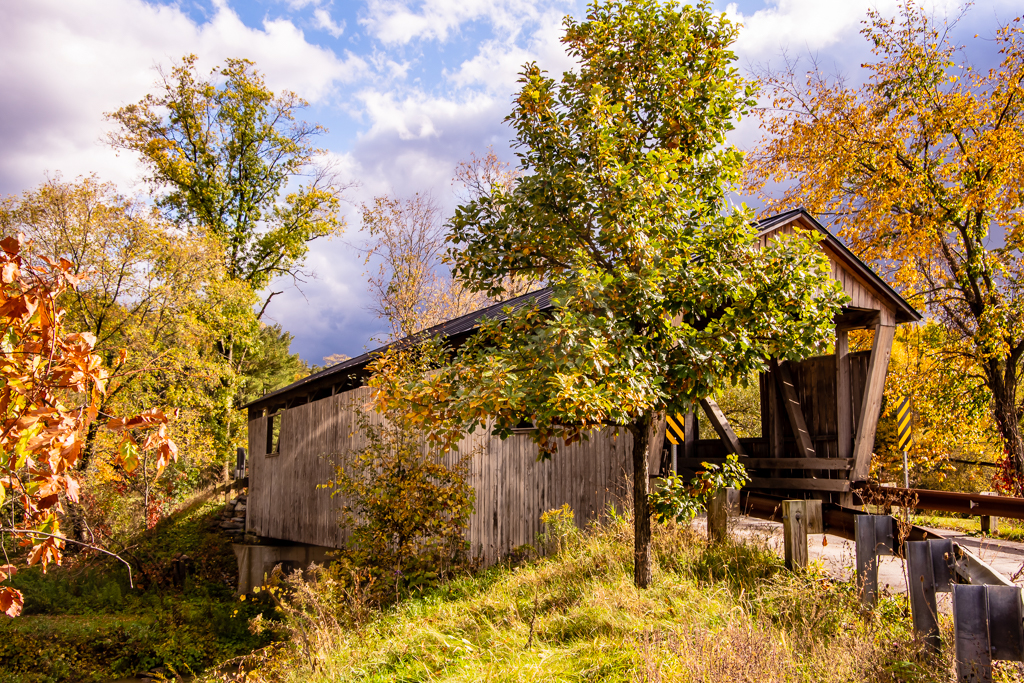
{"x":837,"y":555}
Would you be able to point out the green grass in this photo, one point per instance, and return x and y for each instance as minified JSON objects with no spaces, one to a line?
{"x":85,"y":622}
{"x":1009,"y":529}
{"x":727,"y":612}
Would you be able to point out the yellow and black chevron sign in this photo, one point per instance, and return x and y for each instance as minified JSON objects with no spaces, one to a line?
{"x":674,"y":430}
{"x":903,"y":420}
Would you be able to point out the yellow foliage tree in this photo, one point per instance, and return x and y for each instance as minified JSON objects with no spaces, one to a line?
{"x":154,"y":300}
{"x":952,"y":422}
{"x":920,"y":168}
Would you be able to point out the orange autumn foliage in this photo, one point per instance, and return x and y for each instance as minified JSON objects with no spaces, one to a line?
{"x":51,"y":384}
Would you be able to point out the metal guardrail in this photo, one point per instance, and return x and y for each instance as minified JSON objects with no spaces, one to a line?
{"x":987,"y":606}
{"x":841,"y":521}
{"x":974,"y":504}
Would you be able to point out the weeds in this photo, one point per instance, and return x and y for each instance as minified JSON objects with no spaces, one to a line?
{"x":715,"y":612}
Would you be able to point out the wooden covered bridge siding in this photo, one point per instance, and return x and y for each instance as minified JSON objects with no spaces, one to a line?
{"x":819,"y":416}
{"x":816,"y":383}
{"x":512,"y":488}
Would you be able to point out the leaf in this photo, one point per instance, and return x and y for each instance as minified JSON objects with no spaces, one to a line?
{"x":128,"y":453}
{"x":11,"y":600}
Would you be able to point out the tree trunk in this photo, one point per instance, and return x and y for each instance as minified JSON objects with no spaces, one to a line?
{"x":641,"y":430}
{"x":1001,"y":376}
{"x":1008,"y":423}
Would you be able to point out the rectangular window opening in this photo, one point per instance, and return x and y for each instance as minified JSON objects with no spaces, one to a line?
{"x":274,"y":434}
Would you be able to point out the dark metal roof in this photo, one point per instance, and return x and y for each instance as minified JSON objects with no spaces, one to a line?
{"x":451,"y":329}
{"x":458,"y":328}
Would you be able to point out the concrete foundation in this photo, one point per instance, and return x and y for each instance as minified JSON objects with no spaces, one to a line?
{"x":256,"y":562}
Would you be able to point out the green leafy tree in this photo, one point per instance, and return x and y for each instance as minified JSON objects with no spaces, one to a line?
{"x":271,"y":365}
{"x":662,"y":294}
{"x":230,"y":158}
{"x":230,"y":161}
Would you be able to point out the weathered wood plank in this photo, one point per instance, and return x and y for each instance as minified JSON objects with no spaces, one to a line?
{"x":872,"y":402}
{"x":793,"y":484}
{"x":791,"y":403}
{"x":691,"y":435}
{"x":775,"y":434}
{"x":721,"y":425}
{"x":778,"y":463}
{"x":844,"y":401}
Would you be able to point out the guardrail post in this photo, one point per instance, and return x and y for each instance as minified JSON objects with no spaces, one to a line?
{"x":722,"y":505}
{"x":1005,"y":614}
{"x":970,"y":634}
{"x":874,"y":537}
{"x":921,"y":586}
{"x":794,"y":525}
{"x":986,"y":626}
{"x":989,"y":525}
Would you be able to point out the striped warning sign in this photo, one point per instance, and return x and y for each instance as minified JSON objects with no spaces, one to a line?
{"x":674,"y":430}
{"x":903,"y":420}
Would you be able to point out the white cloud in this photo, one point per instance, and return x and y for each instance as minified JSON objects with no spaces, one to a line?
{"x":817,"y":25}
{"x":66,"y":64}
{"x":801,"y":23}
{"x":324,"y":21}
{"x":419,"y":116}
{"x":399,"y":22}
{"x":497,"y":65}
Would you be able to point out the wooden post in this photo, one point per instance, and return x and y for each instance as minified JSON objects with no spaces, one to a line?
{"x":871,"y":405}
{"x":921,"y":589}
{"x":658,"y":442}
{"x":844,"y":396}
{"x":691,"y":435}
{"x":776,"y":445}
{"x":721,"y":506}
{"x":970,"y":634}
{"x":721,"y":425}
{"x":794,"y":524}
{"x":791,"y":402}
{"x":989,"y":525}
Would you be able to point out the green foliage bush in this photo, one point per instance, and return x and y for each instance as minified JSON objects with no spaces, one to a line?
{"x":406,"y":507}
{"x":97,"y":626}
{"x":677,"y":499}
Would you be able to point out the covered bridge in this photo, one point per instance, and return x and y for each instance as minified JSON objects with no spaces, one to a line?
{"x":818,"y":428}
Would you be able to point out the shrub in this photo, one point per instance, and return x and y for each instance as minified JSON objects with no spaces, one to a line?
{"x":407,"y":509}
{"x":676,"y":499}
{"x":559,"y":529}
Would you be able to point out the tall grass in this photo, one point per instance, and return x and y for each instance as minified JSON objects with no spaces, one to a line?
{"x":715,"y":612}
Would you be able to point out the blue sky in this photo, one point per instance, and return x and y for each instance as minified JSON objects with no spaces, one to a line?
{"x":407,"y":89}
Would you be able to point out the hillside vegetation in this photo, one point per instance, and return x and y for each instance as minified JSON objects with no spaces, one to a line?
{"x":714,"y":612}
{"x":85,"y":623}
